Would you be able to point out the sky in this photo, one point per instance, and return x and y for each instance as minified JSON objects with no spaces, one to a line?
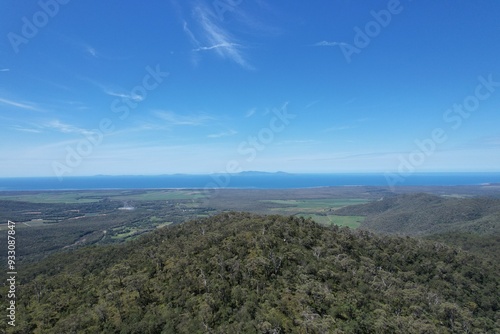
{"x":209,"y":86}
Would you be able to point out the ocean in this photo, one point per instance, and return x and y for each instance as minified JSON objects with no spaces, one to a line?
{"x":243,"y":181}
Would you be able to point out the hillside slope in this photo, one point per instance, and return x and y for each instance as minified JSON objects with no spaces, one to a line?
{"x":420,"y":214}
{"x":243,"y":273}
{"x":470,"y":223}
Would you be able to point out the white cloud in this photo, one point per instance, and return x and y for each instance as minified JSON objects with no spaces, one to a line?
{"x":251,"y":112}
{"x":66,"y":128}
{"x":113,"y":90}
{"x":128,"y":96}
{"x":208,"y":48}
{"x":4,"y":69}
{"x":90,"y":50}
{"x":189,"y":120}
{"x":189,"y":33}
{"x":485,"y":142}
{"x":223,"y":134}
{"x":326,"y":43}
{"x":298,"y":141}
{"x":214,"y":38}
{"x":22,"y":105}
{"x":309,"y":105}
{"x":30,"y":130}
{"x":84,"y":47}
{"x":340,"y":128}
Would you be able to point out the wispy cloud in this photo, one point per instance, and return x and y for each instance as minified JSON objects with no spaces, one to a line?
{"x":4,"y":69}
{"x":66,"y":128}
{"x":309,"y":105}
{"x":29,"y":130}
{"x":255,"y":21}
{"x":190,"y":34}
{"x":298,"y":142}
{"x":53,"y":125}
{"x":327,"y":43}
{"x":112,"y":90}
{"x":70,"y":104}
{"x":21,"y":104}
{"x":55,"y":84}
{"x":215,"y":38}
{"x":86,"y":48}
{"x":486,"y":142}
{"x":340,"y":128}
{"x":78,"y":44}
{"x":223,"y":134}
{"x":128,"y":96}
{"x":98,"y":54}
{"x":91,"y":51}
{"x":188,"y":120}
{"x":251,"y":112}
{"x":345,"y":156}
{"x":493,"y":141}
{"x":208,"y":48}
{"x":353,"y":125}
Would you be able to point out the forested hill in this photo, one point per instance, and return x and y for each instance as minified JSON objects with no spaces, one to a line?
{"x":424,"y":214}
{"x":242,"y":273}
{"x":470,"y":223}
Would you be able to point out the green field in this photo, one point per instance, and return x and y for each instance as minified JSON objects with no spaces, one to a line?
{"x":349,"y":221}
{"x":33,"y":223}
{"x":311,"y":206}
{"x":125,"y":233}
{"x":161,"y":195}
{"x":318,"y":203}
{"x":53,"y":197}
{"x":72,"y":197}
{"x":55,"y":220}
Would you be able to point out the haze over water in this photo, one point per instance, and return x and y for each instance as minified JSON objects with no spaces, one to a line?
{"x":247,"y":181}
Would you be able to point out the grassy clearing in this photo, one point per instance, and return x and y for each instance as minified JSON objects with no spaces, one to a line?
{"x":32,"y":223}
{"x":311,"y":206}
{"x":125,"y":233}
{"x":73,"y":197}
{"x":162,"y":195}
{"x":318,"y":203}
{"x":51,"y":197}
{"x":164,"y":224}
{"x":349,"y":221}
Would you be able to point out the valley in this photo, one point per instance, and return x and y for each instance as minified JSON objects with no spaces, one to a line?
{"x":358,"y":259}
{"x":61,"y":220}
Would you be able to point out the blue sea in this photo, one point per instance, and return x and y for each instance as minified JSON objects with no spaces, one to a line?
{"x":244,"y":181}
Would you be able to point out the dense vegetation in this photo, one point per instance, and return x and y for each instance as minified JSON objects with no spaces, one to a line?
{"x":54,"y":212}
{"x":45,"y":228}
{"x":420,"y":214}
{"x":53,"y":221}
{"x":49,"y":222}
{"x":243,"y":273}
{"x":470,"y":223}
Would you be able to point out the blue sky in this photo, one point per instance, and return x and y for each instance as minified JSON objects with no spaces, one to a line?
{"x":157,"y":87}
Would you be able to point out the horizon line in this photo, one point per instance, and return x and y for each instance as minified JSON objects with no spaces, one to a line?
{"x":262,"y":172}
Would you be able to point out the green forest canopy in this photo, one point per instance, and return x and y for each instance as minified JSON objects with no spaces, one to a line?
{"x":239,"y":272}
